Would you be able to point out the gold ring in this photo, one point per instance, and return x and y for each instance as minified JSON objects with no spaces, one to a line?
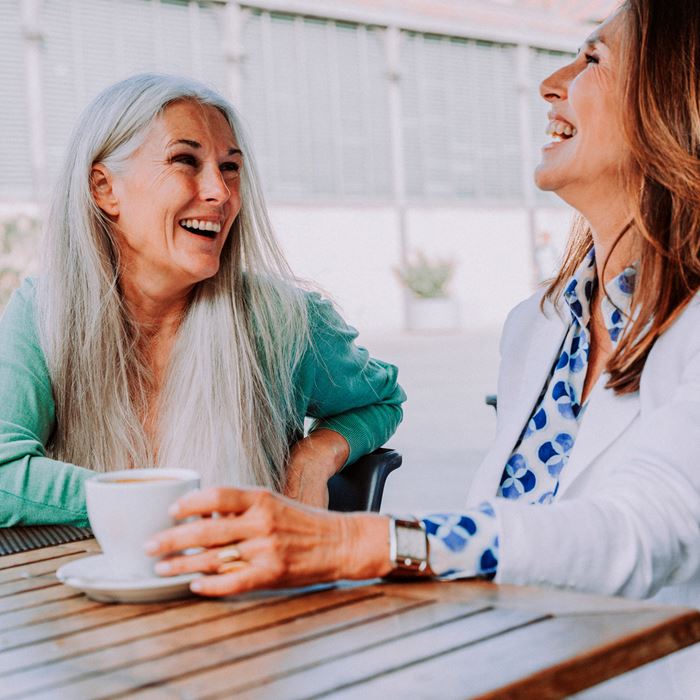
{"x":228,"y":555}
{"x":231,"y":566}
{"x":231,"y":560}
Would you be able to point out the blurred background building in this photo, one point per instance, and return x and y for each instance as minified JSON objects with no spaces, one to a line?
{"x":382,"y":128}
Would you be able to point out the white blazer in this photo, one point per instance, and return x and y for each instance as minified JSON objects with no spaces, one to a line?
{"x":627,"y":517}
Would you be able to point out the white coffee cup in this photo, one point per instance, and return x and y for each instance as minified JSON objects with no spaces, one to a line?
{"x":127,"y":507}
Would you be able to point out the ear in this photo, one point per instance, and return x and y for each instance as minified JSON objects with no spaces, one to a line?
{"x":101,"y":185}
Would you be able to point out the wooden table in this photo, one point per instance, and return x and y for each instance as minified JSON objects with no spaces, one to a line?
{"x":377,"y":640}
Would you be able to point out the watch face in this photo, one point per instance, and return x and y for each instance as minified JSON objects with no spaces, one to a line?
{"x":410,"y":543}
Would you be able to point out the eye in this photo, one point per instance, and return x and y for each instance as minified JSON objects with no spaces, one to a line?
{"x":590,"y":58}
{"x":186,"y":158}
{"x":230,"y":166}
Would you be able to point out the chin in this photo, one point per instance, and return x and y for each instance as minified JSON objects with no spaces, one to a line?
{"x":545,"y":179}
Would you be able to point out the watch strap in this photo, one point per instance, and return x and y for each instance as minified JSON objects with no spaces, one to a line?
{"x":406,"y":563}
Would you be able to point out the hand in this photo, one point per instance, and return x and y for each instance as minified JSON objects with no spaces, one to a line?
{"x":280,"y":542}
{"x":312,"y":462}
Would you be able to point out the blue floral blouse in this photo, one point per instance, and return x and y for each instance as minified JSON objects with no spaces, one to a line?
{"x":466,"y":544}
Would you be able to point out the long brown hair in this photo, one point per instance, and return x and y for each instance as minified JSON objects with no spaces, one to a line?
{"x":660,"y":92}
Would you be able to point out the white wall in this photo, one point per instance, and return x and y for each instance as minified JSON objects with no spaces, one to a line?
{"x":352,"y":252}
{"x":493,"y":255}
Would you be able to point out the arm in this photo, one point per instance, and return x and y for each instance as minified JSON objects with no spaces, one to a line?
{"x":280,"y":542}
{"x":33,"y":489}
{"x":632,"y":524}
{"x":354,"y":399}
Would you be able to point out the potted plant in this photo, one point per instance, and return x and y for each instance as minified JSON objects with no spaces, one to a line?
{"x":430,"y":306}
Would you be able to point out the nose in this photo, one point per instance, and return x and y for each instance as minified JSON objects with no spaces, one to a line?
{"x":555,"y":87}
{"x":213,"y":187}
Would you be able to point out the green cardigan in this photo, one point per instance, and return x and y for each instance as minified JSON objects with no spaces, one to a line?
{"x":338,"y":384}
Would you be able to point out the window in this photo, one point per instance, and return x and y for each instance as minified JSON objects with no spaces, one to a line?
{"x":315,"y":100}
{"x":460,"y":112}
{"x":15,"y":153}
{"x":89,"y":44}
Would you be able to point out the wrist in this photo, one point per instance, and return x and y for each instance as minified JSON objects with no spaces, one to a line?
{"x":365,"y":546}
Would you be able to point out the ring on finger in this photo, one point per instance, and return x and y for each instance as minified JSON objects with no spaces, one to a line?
{"x":228,"y":555}
{"x":231,"y":560}
{"x":231,"y":566}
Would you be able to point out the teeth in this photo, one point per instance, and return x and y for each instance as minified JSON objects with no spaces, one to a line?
{"x":201,"y":225}
{"x":559,"y":128}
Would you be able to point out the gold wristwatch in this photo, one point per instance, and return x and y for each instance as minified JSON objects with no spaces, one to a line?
{"x":409,"y":548}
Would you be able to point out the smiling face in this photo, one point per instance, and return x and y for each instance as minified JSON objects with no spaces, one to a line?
{"x":587,"y":154}
{"x":174,"y":200}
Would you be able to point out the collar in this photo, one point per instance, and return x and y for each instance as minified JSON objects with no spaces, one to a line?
{"x":615,"y":304}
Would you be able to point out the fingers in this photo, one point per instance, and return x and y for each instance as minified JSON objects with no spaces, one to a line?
{"x":246,"y":579}
{"x":207,"y":532}
{"x":214,"y":500}
{"x":208,"y":562}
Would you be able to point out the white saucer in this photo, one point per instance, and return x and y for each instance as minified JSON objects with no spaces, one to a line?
{"x":93,"y":576}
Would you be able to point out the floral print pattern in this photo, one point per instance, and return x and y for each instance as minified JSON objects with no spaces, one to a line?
{"x":466,"y":544}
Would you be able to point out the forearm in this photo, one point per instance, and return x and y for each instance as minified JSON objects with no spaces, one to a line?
{"x":464,"y":544}
{"x":313,"y":461}
{"x":38,"y":490}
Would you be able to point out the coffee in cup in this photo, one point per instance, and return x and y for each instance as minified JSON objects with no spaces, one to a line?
{"x":128,"y":507}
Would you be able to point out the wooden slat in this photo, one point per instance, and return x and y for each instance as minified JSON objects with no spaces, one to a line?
{"x":155,"y":637}
{"x":552,"y":602}
{"x":242,"y":644}
{"x":547,"y":660}
{"x":336,"y":642}
{"x":12,"y":560}
{"x":47,"y":612}
{"x":99,"y":616}
{"x":30,"y":599}
{"x":37,"y":569}
{"x":112,"y":636}
{"x":406,"y":650}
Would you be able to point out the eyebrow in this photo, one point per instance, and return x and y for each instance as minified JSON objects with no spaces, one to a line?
{"x":196,"y":144}
{"x":592,"y":41}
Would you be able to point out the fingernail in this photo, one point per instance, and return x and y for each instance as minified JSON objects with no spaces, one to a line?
{"x":196,"y":586}
{"x":163,"y":567}
{"x":174,"y":510}
{"x":151,"y":546}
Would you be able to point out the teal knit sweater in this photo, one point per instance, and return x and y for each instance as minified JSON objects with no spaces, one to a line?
{"x":338,"y":384}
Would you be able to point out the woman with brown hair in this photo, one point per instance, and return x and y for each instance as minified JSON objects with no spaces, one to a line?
{"x":593,"y":482}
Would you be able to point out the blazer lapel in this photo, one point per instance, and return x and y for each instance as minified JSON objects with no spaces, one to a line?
{"x":547,"y":334}
{"x":606,"y":417}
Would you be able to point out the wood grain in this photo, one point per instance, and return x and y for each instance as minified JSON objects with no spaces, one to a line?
{"x":358,"y":641}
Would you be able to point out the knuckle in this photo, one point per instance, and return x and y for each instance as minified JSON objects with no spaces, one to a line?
{"x":219,"y":500}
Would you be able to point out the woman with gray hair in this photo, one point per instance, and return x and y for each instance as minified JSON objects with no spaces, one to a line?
{"x":166,"y":328}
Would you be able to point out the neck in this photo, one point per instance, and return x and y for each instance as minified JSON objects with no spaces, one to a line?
{"x":610,"y":218}
{"x":156,"y":311}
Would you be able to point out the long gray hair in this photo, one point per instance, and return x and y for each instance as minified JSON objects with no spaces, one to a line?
{"x":227,"y":404}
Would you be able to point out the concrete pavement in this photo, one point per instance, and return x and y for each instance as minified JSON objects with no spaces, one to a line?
{"x":447,"y":426}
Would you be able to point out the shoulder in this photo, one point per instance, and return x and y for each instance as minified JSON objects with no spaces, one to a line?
{"x":527,"y":318}
{"x":678,"y":346}
{"x":21,"y":308}
{"x":324,"y":316}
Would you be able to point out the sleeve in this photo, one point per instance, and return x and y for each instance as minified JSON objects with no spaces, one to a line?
{"x":348,"y":391}
{"x":640,"y":529}
{"x":463,"y":545}
{"x":33,"y":489}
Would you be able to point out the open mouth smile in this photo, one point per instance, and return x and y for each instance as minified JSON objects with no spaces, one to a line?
{"x":199,"y":227}
{"x":561,"y":130}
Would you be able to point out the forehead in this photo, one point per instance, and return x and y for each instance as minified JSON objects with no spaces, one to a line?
{"x":610,"y":31}
{"x":192,"y":121}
